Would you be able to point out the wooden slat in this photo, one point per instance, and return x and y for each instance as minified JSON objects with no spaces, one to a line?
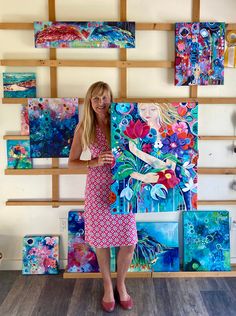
{"x":208,"y":100}
{"x":216,"y":202}
{"x":45,"y":171}
{"x":195,"y":274}
{"x":123,"y":55}
{"x":15,"y":137}
{"x":44,"y":203}
{"x":97,"y":275}
{"x":226,"y":171}
{"x":201,"y":137}
{"x":143,"y":26}
{"x":196,"y":11}
{"x":193,"y":91}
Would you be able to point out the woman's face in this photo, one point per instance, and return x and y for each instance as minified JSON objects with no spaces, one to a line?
{"x":149,"y":113}
{"x":101,"y":103}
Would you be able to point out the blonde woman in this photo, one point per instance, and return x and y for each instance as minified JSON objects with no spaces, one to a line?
{"x":102,"y":229}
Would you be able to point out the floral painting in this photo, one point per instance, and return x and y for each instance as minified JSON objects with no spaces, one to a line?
{"x":157,"y":248}
{"x":19,"y":85}
{"x":18,"y":154}
{"x":156,"y":151}
{"x":206,"y":241}
{"x":52,"y":122}
{"x":24,"y":120}
{"x":84,"y":34}
{"x":40,"y":254}
{"x":81,"y":256}
{"x":199,"y":58}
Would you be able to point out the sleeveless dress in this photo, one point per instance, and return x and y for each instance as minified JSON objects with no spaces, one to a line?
{"x":102,"y":229}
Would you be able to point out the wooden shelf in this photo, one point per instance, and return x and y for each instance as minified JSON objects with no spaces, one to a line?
{"x":139,"y":26}
{"x":64,"y":171}
{"x":44,"y":203}
{"x":15,"y":137}
{"x":179,"y":274}
{"x":216,"y":202}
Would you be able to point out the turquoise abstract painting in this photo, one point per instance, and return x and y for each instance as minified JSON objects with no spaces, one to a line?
{"x":19,"y":85}
{"x":206,"y":241}
{"x":84,"y":34}
{"x":40,"y":254}
{"x":157,"y":248}
{"x":155,"y":151}
{"x":18,"y":154}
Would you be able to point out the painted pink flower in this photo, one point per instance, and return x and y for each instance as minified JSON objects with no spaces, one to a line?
{"x":180,"y":127}
{"x":147,"y":148}
{"x":168,"y":178}
{"x":137,"y":129}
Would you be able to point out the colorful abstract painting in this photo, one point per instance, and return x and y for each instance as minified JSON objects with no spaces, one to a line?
{"x":18,"y":154}
{"x":157,"y":248}
{"x":40,"y":254}
{"x":156,"y":151}
{"x":199,"y":58}
{"x":84,"y":34}
{"x":81,"y":256}
{"x":206,"y":241}
{"x":24,"y":120}
{"x":19,"y":85}
{"x":52,"y":122}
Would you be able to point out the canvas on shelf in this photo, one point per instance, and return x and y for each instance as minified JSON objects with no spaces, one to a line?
{"x":199,"y":53}
{"x":18,"y":154}
{"x":40,"y":254}
{"x":52,"y":122}
{"x":206,"y":241}
{"x":157,"y":249}
{"x":19,"y":85}
{"x":24,"y":120}
{"x":155,"y":153}
{"x":84,"y":34}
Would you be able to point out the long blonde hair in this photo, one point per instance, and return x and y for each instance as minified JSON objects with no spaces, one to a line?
{"x":168,"y":113}
{"x":88,"y":122}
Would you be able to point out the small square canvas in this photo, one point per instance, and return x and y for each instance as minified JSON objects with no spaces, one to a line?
{"x":84,"y":34}
{"x":81,"y":256}
{"x":19,"y":85}
{"x":52,"y":122}
{"x":206,"y":241}
{"x":18,"y":154}
{"x":40,"y":254}
{"x":157,"y":248}
{"x":155,"y":147}
{"x":24,"y":120}
{"x":199,"y":58}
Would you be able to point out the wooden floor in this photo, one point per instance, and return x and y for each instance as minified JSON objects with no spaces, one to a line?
{"x":53,"y":295}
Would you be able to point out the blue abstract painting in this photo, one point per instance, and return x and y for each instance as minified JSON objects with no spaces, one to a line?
{"x":19,"y":85}
{"x":18,"y":154}
{"x":40,"y":254}
{"x":84,"y":34}
{"x":157,"y":248}
{"x":81,"y":256}
{"x":206,"y":241}
{"x":52,"y":122}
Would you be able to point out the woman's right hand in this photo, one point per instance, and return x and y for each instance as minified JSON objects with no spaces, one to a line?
{"x":105,"y":157}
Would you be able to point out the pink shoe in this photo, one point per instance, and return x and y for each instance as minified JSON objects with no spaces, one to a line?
{"x":128,"y":305}
{"x":108,"y":306}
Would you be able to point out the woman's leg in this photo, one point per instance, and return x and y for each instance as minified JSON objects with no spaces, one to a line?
{"x":103,"y":256}
{"x":124,"y":259}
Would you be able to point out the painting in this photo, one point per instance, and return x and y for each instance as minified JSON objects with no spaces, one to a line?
{"x":230,"y":50}
{"x":199,"y":58}
{"x":84,"y":34}
{"x":157,"y":248}
{"x":19,"y":85}
{"x":155,"y":153}
{"x":24,"y":120}
{"x":52,"y":122}
{"x":81,"y":256}
{"x":206,"y":241}
{"x":40,"y":254}
{"x":18,"y":154}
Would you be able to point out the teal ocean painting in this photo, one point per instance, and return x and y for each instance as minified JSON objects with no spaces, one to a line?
{"x":19,"y":85}
{"x":157,"y":248}
{"x":206,"y":241}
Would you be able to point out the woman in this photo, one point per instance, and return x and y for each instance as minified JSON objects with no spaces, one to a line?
{"x":102,"y":229}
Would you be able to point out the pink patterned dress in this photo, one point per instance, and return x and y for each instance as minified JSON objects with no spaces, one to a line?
{"x":102,"y":229}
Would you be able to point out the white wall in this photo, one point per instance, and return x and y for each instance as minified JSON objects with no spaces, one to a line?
{"x":15,"y":222}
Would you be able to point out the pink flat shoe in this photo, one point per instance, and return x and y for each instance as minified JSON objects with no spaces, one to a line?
{"x":108,"y":306}
{"x":128,"y":305}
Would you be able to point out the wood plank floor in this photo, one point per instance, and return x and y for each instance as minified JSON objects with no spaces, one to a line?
{"x":54,"y":296}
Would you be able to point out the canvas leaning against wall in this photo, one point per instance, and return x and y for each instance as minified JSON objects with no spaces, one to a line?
{"x":156,"y":151}
{"x":84,"y":34}
{"x":199,"y":58}
{"x":52,"y":123}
